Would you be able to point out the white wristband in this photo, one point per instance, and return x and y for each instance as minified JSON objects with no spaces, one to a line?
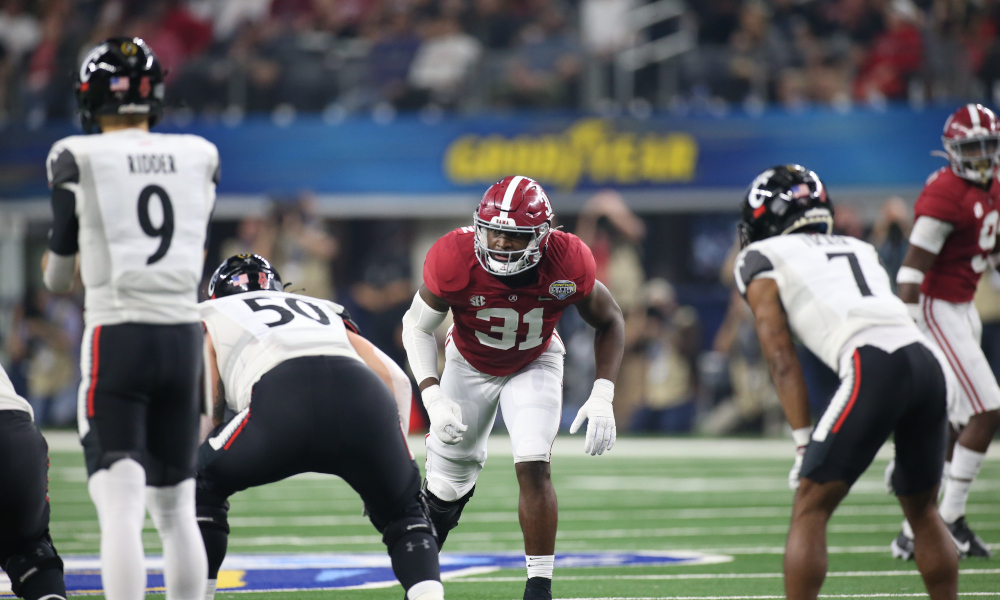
{"x":431,"y":394}
{"x":603,"y":389}
{"x":909,"y":275}
{"x":801,"y":436}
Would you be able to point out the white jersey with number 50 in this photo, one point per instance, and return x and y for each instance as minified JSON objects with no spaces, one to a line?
{"x":256,"y":331}
{"x":143,"y":202}
{"x":832,"y":287}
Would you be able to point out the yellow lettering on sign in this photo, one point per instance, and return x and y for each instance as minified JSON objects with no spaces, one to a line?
{"x":589,"y":148}
{"x":231,"y":579}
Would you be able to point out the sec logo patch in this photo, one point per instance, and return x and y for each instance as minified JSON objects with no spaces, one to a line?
{"x":562,"y":289}
{"x":477,"y":300}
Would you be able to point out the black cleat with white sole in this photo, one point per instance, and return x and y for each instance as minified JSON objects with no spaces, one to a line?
{"x":967,"y":542}
{"x":538,"y":588}
{"x":902,"y":547}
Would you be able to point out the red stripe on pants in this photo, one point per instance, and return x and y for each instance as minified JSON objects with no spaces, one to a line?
{"x":95,"y":361}
{"x":854,"y":393}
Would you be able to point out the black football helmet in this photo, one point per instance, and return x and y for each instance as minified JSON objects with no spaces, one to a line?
{"x":120,"y":76}
{"x":784,"y":199}
{"x":244,"y":273}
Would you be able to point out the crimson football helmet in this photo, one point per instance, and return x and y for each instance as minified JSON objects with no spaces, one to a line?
{"x":971,"y":139}
{"x":516,"y":205}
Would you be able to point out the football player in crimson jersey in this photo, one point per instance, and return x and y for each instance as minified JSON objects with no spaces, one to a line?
{"x":507,"y":280}
{"x":951,"y":245}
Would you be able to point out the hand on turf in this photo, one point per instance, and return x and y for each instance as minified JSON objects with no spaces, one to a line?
{"x":600,"y":417}
{"x":445,"y":415}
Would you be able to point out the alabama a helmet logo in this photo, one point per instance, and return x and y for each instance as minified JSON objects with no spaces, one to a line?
{"x":562,"y":289}
{"x":477,"y":300}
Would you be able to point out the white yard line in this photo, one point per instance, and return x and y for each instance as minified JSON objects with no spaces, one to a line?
{"x":567,"y":445}
{"x":697,"y":576}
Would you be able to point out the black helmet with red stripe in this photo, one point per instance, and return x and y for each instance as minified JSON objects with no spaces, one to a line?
{"x":784,"y":199}
{"x":244,"y":273}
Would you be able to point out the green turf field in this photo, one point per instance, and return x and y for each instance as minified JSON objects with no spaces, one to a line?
{"x":727,"y":497}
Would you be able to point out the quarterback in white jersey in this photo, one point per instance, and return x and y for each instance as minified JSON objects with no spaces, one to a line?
{"x":132,"y":208}
{"x":27,"y":554}
{"x":832,"y":293}
{"x":310,"y":395}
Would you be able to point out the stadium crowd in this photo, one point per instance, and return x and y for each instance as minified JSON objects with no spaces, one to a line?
{"x":353,"y":56}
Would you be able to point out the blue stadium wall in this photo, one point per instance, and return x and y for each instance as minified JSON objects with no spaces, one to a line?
{"x":571,"y":154}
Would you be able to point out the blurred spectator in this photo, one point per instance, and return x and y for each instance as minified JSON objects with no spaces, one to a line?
{"x":393,"y":46}
{"x":545,"y":68}
{"x":303,"y":249}
{"x":20,"y":31}
{"x":759,"y":52}
{"x":894,"y":57}
{"x":442,"y":63}
{"x":671,"y":344}
{"x":890,"y":235}
{"x":384,"y":291}
{"x":46,"y":337}
{"x":753,"y":404}
{"x":847,"y":221}
{"x":255,"y":234}
{"x":614,"y":234}
{"x":494,"y":24}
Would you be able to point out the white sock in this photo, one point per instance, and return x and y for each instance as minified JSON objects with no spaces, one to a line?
{"x":185,"y":568}
{"x":907,"y":529}
{"x":210,"y":589}
{"x":965,"y":466}
{"x":540,"y":566}
{"x":429,"y":589}
{"x":119,"y":496}
{"x":945,"y":476}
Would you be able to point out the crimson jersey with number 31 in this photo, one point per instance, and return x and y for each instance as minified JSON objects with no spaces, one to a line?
{"x":974,"y":213}
{"x":500,"y":329}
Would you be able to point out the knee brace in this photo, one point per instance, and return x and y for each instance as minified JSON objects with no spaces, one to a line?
{"x":405,"y":527}
{"x":445,"y":514}
{"x":34,"y":560}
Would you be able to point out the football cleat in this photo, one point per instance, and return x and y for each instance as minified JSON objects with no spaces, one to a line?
{"x":902,"y":547}
{"x":967,"y":542}
{"x":538,"y":588}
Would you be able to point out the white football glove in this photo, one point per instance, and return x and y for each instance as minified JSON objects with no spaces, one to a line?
{"x":801,"y":437}
{"x":600,"y":417}
{"x":445,"y":414}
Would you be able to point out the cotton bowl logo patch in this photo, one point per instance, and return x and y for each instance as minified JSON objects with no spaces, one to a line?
{"x":562,"y":289}
{"x":262,"y":572}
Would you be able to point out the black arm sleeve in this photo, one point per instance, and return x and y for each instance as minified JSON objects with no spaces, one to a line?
{"x":65,"y":227}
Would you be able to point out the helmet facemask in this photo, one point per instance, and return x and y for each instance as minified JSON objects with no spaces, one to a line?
{"x":976,"y":158}
{"x":517,"y":261}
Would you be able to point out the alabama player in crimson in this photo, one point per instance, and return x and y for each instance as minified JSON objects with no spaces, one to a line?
{"x":951,"y":245}
{"x":507,"y":280}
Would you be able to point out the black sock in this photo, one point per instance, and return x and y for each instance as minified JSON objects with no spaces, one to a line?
{"x":415,"y":559}
{"x":216,"y":542}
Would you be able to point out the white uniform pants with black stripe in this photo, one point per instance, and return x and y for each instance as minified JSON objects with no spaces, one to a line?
{"x":957,"y":330}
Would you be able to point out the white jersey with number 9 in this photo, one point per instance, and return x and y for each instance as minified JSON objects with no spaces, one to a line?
{"x":254,"y":332}
{"x":143,"y":201}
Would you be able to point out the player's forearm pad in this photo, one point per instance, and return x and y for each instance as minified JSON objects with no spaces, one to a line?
{"x":419,"y":324}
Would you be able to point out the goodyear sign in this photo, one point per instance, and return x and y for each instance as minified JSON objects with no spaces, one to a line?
{"x":413,"y":159}
{"x":589,"y":149}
